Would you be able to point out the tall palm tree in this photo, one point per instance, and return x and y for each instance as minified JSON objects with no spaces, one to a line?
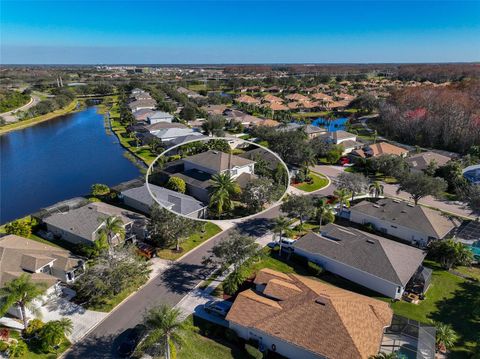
{"x":112,"y":227}
{"x":53,"y":333}
{"x":343,"y":196}
{"x":224,"y":189}
{"x":445,"y":337}
{"x":376,"y":189}
{"x":324,"y":212}
{"x":164,"y":323}
{"x":281,"y":225}
{"x":21,"y":292}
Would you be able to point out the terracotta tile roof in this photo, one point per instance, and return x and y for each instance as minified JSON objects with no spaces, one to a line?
{"x":272,"y":98}
{"x":322,"y":97}
{"x":325,"y":320}
{"x":274,"y":106}
{"x":381,"y":148}
{"x":293,"y":105}
{"x":269,"y":123}
{"x":247,"y":99}
{"x":297,"y":97}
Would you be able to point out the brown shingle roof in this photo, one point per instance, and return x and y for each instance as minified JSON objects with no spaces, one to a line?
{"x":328,"y":321}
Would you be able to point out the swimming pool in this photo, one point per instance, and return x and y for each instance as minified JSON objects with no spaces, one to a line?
{"x":475,"y":248}
{"x":331,"y":125}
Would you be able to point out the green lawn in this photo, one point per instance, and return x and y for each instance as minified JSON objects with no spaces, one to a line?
{"x":196,"y":346}
{"x":193,"y":241}
{"x":319,"y":181}
{"x":310,"y":114}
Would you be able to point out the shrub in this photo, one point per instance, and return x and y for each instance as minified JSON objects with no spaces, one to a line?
{"x":231,"y":335}
{"x":314,"y":268}
{"x":253,"y":352}
{"x":3,"y":346}
{"x":174,"y":158}
{"x":99,"y":189}
{"x":176,"y":184}
{"x":17,"y":349}
{"x":20,"y":227}
{"x":233,"y":281}
{"x":33,"y":327}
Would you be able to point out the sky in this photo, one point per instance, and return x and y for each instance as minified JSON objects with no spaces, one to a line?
{"x":210,"y":32}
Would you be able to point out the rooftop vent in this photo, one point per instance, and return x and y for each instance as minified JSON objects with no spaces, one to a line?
{"x":370,"y":241}
{"x":319,"y":301}
{"x":216,"y":152}
{"x":376,"y":206}
{"x":396,"y":201}
{"x":410,"y":205}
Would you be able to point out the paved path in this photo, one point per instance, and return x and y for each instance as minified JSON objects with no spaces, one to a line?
{"x":11,"y":116}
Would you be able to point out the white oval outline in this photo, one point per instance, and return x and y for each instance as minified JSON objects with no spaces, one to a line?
{"x":233,"y":220}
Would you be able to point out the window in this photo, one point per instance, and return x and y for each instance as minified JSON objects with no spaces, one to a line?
{"x":399,"y":289}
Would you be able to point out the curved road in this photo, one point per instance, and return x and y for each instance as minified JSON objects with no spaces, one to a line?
{"x":168,"y":287}
{"x":10,"y":115}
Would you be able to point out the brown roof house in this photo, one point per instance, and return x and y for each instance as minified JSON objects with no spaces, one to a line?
{"x":421,"y":161}
{"x":415,"y":224}
{"x":299,"y":317}
{"x":42,"y":262}
{"x":380,"y":148}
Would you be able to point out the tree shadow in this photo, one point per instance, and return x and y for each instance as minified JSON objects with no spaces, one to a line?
{"x":462,"y":312}
{"x":181,"y":278}
{"x":257,"y":227}
{"x":95,"y":347}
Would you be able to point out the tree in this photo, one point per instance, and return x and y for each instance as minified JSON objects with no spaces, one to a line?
{"x":333,"y":155}
{"x":324,"y":212}
{"x":111,"y":228}
{"x":419,"y":185}
{"x":366,"y":103}
{"x":164,"y":324}
{"x":343,"y":197}
{"x":383,"y":355}
{"x":259,"y":192}
{"x":452,"y":173}
{"x":188,"y":113}
{"x":17,"y":349}
{"x":176,"y":184}
{"x":167,"y":228}
{"x":280,"y":227}
{"x":376,"y":189}
{"x":300,"y":207}
{"x":224,"y":189}
{"x":451,"y":254}
{"x":389,"y":165}
{"x":20,"y":227}
{"x":110,"y":275}
{"x":445,"y":337}
{"x":233,"y":251}
{"x":472,"y":197}
{"x":214,"y":125}
{"x":431,"y":168}
{"x":99,"y":189}
{"x":20,"y":291}
{"x":355,"y":183}
{"x":53,"y":333}
{"x":233,"y":281}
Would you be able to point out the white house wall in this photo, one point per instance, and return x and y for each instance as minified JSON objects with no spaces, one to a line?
{"x":355,"y":275}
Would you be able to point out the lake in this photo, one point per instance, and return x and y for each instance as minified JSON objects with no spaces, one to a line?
{"x":331,"y":125}
{"x":57,"y":160}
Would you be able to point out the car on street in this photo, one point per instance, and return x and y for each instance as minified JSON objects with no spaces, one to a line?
{"x":130,"y":339}
{"x":218,"y":307}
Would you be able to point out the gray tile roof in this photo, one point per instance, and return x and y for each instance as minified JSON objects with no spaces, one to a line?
{"x":178,"y":202}
{"x":217,"y":160}
{"x":422,"y":160}
{"x":418,"y":218}
{"x":376,"y":255}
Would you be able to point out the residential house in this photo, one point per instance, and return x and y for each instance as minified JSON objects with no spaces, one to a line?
{"x":415,"y":224}
{"x":248,"y":100}
{"x":141,"y":115}
{"x":44,"y":263}
{"x":346,"y":139}
{"x":300,"y":317}
{"x":297,"y":97}
{"x":159,"y":116}
{"x":189,"y":93}
{"x":242,"y":117}
{"x":82,"y":225}
{"x":377,"y":263}
{"x":421,"y":161}
{"x":140,"y":199}
{"x":260,"y":154}
{"x":378,"y":149}
{"x":142,"y":104}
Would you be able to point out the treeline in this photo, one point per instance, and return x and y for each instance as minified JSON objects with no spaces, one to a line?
{"x":11,"y":100}
{"x":444,"y":118}
{"x":61,"y":98}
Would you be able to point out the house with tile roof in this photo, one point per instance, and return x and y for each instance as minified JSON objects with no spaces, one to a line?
{"x":300,"y":317}
{"x":377,"y":263}
{"x":246,"y":99}
{"x":417,"y":225}
{"x":421,"y":161}
{"x":378,"y":149}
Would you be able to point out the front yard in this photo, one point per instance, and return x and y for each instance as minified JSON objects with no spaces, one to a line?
{"x":193,"y":241}
{"x":319,"y":181}
{"x":33,"y":352}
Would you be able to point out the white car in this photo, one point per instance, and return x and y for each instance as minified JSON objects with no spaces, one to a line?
{"x":287,"y":242}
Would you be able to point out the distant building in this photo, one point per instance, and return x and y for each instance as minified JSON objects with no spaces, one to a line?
{"x":159,"y":116}
{"x":421,"y":161}
{"x":142,"y":104}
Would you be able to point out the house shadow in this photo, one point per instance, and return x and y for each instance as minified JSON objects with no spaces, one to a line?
{"x":462,"y":312}
{"x":181,"y":278}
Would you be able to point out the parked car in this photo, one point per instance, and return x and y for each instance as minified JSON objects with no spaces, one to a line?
{"x":344,"y":161}
{"x":218,"y":307}
{"x":287,"y":242}
{"x":130,"y":340}
{"x":146,"y":250}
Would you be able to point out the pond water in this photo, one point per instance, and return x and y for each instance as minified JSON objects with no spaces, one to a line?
{"x":57,"y":160}
{"x":331,"y":125}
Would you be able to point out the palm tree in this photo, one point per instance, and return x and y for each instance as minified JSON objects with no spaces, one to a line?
{"x":224,"y":189}
{"x":281,"y":225}
{"x":343,"y":196}
{"x":21,"y":292}
{"x":383,"y":355}
{"x":445,"y":336}
{"x":53,"y":333}
{"x":112,"y":227}
{"x":376,"y":189}
{"x":164,"y":323}
{"x":324,"y":212}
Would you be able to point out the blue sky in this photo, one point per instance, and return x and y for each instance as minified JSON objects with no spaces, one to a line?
{"x":160,"y":32}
